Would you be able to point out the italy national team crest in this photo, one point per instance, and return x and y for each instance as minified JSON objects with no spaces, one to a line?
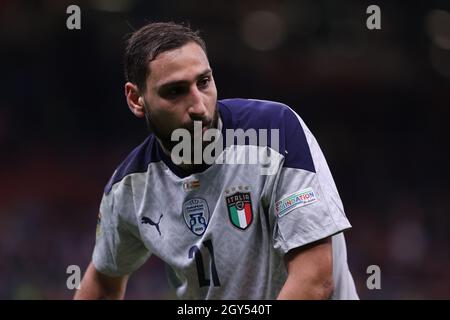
{"x":196,"y":215}
{"x":240,"y":209}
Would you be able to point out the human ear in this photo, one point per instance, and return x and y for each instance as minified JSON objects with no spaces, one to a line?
{"x":134,"y":100}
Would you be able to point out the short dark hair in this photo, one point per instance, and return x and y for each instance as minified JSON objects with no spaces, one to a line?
{"x":145,"y":44}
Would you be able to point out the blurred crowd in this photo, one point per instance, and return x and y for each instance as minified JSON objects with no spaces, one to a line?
{"x":376,"y":100}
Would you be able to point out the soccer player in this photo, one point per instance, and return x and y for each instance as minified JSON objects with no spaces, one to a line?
{"x":228,"y":229}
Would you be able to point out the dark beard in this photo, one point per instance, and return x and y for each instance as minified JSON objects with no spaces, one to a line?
{"x":165,"y":140}
{"x":152,"y":128}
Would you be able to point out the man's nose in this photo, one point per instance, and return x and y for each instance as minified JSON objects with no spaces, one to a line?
{"x":196,"y":108}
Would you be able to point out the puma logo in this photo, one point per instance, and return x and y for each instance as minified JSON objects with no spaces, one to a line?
{"x":146,"y":220}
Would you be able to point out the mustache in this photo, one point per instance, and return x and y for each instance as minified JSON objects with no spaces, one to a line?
{"x":206,"y":123}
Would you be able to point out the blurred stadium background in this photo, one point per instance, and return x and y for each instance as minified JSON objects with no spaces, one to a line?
{"x":377,"y":101}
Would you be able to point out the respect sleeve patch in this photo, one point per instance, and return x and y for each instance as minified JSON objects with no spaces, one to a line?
{"x":295,"y":200}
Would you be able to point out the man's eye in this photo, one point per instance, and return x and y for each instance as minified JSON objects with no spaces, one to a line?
{"x":203,"y":83}
{"x":173,"y":92}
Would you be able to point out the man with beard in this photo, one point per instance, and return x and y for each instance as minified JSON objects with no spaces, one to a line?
{"x":225,"y":231}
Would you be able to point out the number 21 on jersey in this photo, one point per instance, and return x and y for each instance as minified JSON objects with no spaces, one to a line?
{"x":195,"y":253}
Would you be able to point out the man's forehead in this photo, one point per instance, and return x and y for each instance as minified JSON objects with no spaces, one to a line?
{"x":180,"y":64}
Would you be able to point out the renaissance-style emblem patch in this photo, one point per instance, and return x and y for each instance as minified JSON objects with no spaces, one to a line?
{"x":196,"y":215}
{"x":240,"y":211}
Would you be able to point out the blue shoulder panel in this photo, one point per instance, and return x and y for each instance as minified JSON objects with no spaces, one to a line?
{"x":259,"y":114}
{"x":137,"y":161}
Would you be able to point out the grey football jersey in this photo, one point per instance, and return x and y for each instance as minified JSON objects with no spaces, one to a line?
{"x":223,"y":231}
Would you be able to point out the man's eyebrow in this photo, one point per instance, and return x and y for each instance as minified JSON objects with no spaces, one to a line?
{"x":178,"y":82}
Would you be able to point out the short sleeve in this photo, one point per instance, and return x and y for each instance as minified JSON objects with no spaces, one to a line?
{"x":118,"y":248}
{"x":305,"y":200}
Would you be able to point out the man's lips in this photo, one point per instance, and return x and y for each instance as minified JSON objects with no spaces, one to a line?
{"x":204,"y":127}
